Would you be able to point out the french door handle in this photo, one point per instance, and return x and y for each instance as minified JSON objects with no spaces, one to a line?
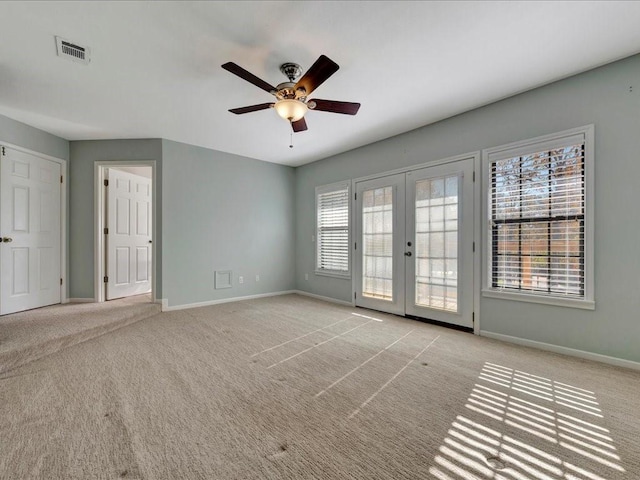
{"x":408,"y":254}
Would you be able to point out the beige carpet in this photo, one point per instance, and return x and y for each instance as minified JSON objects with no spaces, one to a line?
{"x":27,"y":336}
{"x":291,"y":387}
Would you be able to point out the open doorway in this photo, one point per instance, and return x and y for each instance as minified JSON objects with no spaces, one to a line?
{"x":125,"y":225}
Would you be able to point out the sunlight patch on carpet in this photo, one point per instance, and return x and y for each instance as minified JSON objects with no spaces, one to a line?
{"x":521,"y":426}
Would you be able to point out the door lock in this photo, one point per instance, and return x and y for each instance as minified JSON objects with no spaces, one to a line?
{"x":408,"y":254}
{"x":7,"y":239}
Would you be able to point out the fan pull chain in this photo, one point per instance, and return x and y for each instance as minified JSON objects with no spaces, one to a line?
{"x":291,"y":140}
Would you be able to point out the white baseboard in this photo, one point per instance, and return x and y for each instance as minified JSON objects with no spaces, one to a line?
{"x":618,"y":362}
{"x":320,"y":297}
{"x":167,"y":308}
{"x":80,"y":300}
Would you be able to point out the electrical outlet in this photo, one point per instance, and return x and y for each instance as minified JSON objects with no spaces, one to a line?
{"x":240,"y":279}
{"x":306,"y":276}
{"x":257,"y":278}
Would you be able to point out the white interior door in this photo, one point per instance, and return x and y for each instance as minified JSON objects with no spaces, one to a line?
{"x":30,"y":228}
{"x":379,"y":259}
{"x":414,"y":243}
{"x":129,"y":234}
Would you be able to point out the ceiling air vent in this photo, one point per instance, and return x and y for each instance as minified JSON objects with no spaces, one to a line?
{"x":73,"y":51}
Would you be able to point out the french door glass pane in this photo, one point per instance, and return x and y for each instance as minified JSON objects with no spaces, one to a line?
{"x":377,"y":243}
{"x":436,"y":243}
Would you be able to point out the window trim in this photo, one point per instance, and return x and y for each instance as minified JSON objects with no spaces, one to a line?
{"x":319,"y":190}
{"x":545,"y":142}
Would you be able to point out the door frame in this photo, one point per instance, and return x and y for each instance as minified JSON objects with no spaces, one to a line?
{"x":477,"y":222}
{"x":100,"y":222}
{"x":64,"y":288}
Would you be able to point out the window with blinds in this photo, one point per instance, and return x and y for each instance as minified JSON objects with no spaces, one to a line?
{"x":537,"y":230}
{"x":332,"y":229}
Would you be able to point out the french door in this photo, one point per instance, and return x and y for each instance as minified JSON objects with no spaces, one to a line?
{"x":414,"y":243}
{"x":379,"y":246}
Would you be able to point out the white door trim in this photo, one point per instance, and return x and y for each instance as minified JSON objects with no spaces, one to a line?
{"x":64,"y":288}
{"x":100,"y":221}
{"x":477,"y":221}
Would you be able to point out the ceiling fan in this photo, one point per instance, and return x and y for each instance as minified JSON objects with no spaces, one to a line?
{"x":291,"y":97}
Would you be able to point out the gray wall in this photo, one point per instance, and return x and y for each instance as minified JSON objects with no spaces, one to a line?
{"x":601,"y":97}
{"x":224,"y":212}
{"x":83,"y":155}
{"x":25,"y":136}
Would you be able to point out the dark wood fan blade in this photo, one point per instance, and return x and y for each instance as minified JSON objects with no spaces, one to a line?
{"x":251,"y":108}
{"x":317,"y":74}
{"x":348,"y":108}
{"x":248,"y":76}
{"x":299,"y":125}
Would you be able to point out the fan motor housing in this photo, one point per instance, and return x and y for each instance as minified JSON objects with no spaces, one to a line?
{"x":287,"y":90}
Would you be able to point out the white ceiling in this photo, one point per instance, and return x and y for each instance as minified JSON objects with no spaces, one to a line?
{"x":155,"y":66}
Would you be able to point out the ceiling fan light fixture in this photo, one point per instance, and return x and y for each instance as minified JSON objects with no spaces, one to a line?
{"x":291,"y":102}
{"x":290,"y":109}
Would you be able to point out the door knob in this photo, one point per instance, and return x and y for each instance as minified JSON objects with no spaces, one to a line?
{"x":150,"y":241}
{"x":408,"y":254}
{"x":7,"y":239}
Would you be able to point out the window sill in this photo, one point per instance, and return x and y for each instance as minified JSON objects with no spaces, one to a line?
{"x":545,"y":300}
{"x":325,"y":273}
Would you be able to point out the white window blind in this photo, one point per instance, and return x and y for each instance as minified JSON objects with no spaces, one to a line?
{"x":537,"y":220}
{"x":332,"y":242}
